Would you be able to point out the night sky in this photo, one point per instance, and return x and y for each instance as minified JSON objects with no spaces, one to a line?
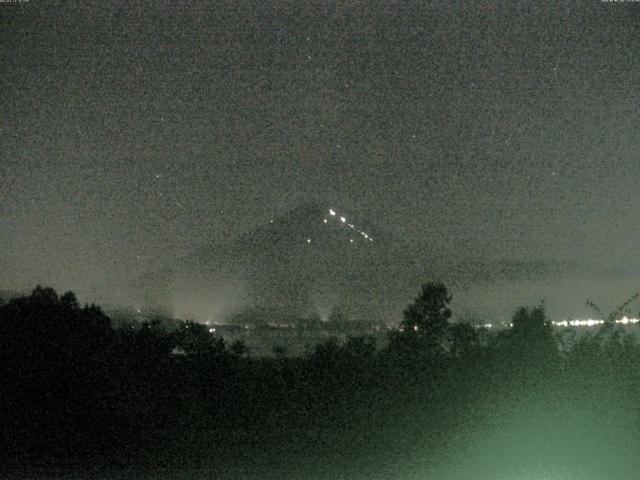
{"x":133,"y":133}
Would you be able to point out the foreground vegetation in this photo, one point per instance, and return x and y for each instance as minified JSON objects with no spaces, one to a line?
{"x":442,"y":400}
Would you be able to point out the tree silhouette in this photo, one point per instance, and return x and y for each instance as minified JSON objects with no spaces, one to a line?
{"x":239,"y":348}
{"x":532,"y":336}
{"x":44,"y":325}
{"x":53,"y":357}
{"x":361,"y":348}
{"x":611,"y":336}
{"x":464,"y":339}
{"x":424,"y":328}
{"x":327,"y":351}
{"x":69,"y":300}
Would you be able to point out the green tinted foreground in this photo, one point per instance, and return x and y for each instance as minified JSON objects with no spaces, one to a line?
{"x":537,"y":433}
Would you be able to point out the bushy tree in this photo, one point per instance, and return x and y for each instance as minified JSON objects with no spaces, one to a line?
{"x":611,"y":337}
{"x":45,"y":325}
{"x":362,"y":348}
{"x":424,"y":328}
{"x":327,"y":351}
{"x":239,"y":348}
{"x":464,"y":340}
{"x":532,"y":338}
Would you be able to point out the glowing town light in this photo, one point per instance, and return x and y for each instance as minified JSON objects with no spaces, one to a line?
{"x":587,"y":322}
{"x":325,"y":220}
{"x":342,"y":219}
{"x":351,"y":240}
{"x":308,"y":240}
{"x":351,"y":225}
{"x":212,"y":330}
{"x":331,"y":212}
{"x":415,"y":328}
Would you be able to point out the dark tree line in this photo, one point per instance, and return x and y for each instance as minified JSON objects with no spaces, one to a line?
{"x":71,"y":385}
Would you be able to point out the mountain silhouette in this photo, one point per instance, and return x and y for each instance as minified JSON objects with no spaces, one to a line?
{"x":317,"y":258}
{"x":310,"y":260}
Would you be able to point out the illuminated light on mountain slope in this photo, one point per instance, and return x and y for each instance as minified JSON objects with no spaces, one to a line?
{"x":343,"y":220}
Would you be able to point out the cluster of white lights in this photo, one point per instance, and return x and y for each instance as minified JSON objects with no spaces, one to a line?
{"x":365,"y":235}
{"x":589,"y":322}
{"x":592,"y":323}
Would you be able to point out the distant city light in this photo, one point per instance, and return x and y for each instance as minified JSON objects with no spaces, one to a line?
{"x":587,"y":322}
{"x":308,"y":240}
{"x":590,"y":322}
{"x":342,"y":219}
{"x":331,"y":212}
